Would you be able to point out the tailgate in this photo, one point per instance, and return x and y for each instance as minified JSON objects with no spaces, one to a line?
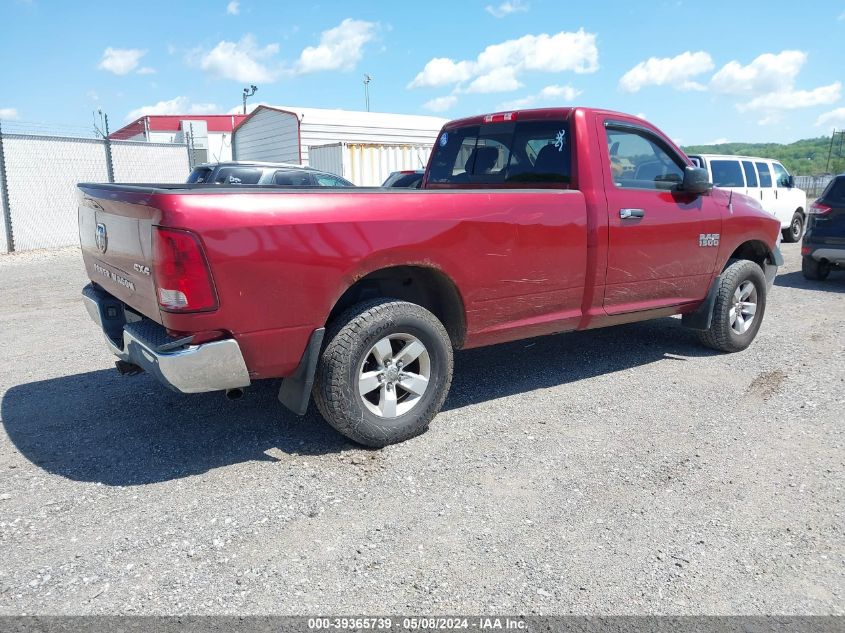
{"x":115,"y":233}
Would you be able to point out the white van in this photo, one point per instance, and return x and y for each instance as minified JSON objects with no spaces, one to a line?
{"x":764,"y":179}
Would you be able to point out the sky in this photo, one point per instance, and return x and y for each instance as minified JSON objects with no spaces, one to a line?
{"x":703,"y":71}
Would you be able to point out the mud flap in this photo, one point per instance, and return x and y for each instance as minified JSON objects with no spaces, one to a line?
{"x":295,"y":392}
{"x":703,"y":315}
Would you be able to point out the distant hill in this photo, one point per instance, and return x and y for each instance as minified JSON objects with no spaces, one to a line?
{"x":806,"y":157}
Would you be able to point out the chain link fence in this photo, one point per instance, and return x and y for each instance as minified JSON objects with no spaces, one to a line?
{"x":39,"y":174}
{"x":813,"y":185}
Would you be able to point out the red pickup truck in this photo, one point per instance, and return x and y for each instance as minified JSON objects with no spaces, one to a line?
{"x":528,"y":223}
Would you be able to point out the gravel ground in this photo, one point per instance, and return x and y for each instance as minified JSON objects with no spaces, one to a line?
{"x":625,"y":470}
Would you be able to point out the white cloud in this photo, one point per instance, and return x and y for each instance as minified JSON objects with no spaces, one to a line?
{"x":717,"y":141}
{"x":8,"y":114}
{"x":243,"y":61}
{"x":676,"y":71}
{"x":564,"y":51}
{"x":233,"y":8}
{"x":790,"y":99}
{"x":497,"y":80}
{"x":177,"y":105}
{"x":146,"y":70}
{"x":442,"y":71}
{"x":841,"y":17}
{"x":767,"y":73}
{"x":506,"y":8}
{"x":441,"y":104}
{"x":121,"y":61}
{"x":550,"y":95}
{"x":834,"y":117}
{"x":340,"y":48}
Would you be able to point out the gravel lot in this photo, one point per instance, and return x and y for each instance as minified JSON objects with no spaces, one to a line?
{"x":625,"y":470}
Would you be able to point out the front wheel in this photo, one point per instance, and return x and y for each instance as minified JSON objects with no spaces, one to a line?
{"x":739,"y":308}
{"x":384,"y":373}
{"x":795,"y":230}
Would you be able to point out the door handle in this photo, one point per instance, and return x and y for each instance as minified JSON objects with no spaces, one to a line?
{"x":626,"y":214}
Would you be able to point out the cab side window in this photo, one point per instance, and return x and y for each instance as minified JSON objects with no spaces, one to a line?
{"x":781,"y":175}
{"x":324,"y":180}
{"x":750,"y":174}
{"x":640,"y":160}
{"x":765,"y":174}
{"x":727,"y":173}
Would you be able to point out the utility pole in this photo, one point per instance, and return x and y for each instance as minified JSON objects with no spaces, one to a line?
{"x":367,"y":80}
{"x":830,"y":151}
{"x":248,"y":92}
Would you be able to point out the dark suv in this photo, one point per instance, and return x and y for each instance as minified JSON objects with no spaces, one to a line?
{"x":823,"y":247}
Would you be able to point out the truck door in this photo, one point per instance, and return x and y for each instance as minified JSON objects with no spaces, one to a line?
{"x":752,"y":186}
{"x":662,"y":243}
{"x":786,"y":202}
{"x":767,"y":191}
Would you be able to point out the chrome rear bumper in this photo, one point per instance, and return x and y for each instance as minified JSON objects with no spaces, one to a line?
{"x":213,"y":366}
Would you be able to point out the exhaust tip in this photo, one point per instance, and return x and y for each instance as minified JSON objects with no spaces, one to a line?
{"x":127,"y":369}
{"x":234,"y":394}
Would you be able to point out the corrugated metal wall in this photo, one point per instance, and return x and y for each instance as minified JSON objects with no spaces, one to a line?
{"x":368,"y":165}
{"x":268,"y":136}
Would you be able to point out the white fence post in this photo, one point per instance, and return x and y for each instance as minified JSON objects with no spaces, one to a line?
{"x":5,"y":209}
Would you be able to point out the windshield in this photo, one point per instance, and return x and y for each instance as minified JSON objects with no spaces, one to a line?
{"x":510,"y":153}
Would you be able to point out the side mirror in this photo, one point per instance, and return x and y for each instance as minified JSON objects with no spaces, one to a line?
{"x":790,"y":181}
{"x":696,"y":181}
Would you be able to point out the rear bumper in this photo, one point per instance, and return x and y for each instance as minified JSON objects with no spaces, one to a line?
{"x":832,"y":253}
{"x":212,"y":366}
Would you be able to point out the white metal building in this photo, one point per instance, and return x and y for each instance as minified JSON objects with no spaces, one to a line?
{"x":211,"y":134}
{"x":284,"y":134}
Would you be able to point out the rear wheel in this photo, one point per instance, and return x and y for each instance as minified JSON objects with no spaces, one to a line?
{"x":384,"y":373}
{"x":814,"y":270}
{"x":739,"y":308}
{"x":795,"y":230}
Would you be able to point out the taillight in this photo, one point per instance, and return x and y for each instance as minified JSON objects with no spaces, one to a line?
{"x":806,"y":250}
{"x":819,"y":208}
{"x":183,"y":279}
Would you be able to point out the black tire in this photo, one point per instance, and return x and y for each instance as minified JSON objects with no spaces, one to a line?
{"x":721,"y":336}
{"x":795,"y":231}
{"x":350,"y":340}
{"x":814,"y":270}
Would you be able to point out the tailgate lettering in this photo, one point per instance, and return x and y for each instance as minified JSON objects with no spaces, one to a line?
{"x":114,"y":277}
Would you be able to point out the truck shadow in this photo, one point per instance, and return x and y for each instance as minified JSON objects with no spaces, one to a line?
{"x":100,"y":427}
{"x":834,"y":283}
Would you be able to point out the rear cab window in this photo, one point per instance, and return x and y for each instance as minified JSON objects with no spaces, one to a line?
{"x":727,"y":173}
{"x":531,"y":153}
{"x":834,"y":194}
{"x":199,"y":175}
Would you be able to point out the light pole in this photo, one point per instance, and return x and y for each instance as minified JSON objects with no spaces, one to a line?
{"x":248,"y":92}
{"x":367,"y":80}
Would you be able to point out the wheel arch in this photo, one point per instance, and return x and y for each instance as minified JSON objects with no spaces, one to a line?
{"x":754,"y":250}
{"x":424,"y":285}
